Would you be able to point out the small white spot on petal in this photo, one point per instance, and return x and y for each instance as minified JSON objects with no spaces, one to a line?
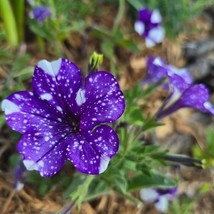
{"x":80,"y":97}
{"x":46,"y":96}
{"x":17,"y":96}
{"x":90,"y":79}
{"x":59,"y":108}
{"x":9,"y":107}
{"x":104,"y":161}
{"x":47,"y":138}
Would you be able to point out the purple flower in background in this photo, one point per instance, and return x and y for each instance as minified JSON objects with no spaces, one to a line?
{"x":40,"y":13}
{"x":160,"y":197}
{"x":62,"y":118}
{"x":148,"y":26}
{"x":184,"y":94}
{"x":158,"y":69}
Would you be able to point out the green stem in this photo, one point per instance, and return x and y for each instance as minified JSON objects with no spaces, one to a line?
{"x":40,"y":43}
{"x":19,"y":6}
{"x":9,"y":22}
{"x":119,"y":16}
{"x":81,"y":191}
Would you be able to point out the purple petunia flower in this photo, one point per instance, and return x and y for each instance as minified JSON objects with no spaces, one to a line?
{"x":160,"y":197}
{"x":148,"y":26}
{"x":183,"y":93}
{"x":62,"y":118}
{"x":40,"y":13}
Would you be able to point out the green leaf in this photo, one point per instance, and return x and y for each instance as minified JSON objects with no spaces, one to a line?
{"x":25,"y":73}
{"x":77,"y":180}
{"x":97,"y":188}
{"x":2,"y":120}
{"x":129,"y":44}
{"x":130,"y":164}
{"x":107,"y":48}
{"x":145,"y":181}
{"x":5,"y":54}
{"x":81,"y":191}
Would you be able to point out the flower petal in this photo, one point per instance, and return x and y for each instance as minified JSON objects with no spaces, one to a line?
{"x":178,"y":82}
{"x":162,"y":204}
{"x":104,"y":100}
{"x":156,"y":70}
{"x":144,"y":15}
{"x":57,"y":83}
{"x":43,"y":151}
{"x":91,"y":154}
{"x":139,"y":27}
{"x":173,"y":72}
{"x":196,"y":96}
{"x":156,"y":16}
{"x":156,"y":34}
{"x":149,"y":195}
{"x":25,"y":111}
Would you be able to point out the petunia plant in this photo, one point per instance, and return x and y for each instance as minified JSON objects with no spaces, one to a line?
{"x":64,"y":118}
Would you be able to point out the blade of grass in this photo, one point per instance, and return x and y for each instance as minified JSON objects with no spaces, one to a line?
{"x":9,"y":22}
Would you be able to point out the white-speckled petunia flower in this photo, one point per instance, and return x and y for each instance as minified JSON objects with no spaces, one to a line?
{"x":63,"y":118}
{"x":149,"y":26}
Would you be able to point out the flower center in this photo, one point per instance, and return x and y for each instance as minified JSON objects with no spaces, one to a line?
{"x":74,"y":123}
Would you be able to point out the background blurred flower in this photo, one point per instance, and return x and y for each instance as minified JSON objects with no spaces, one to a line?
{"x":160,"y":197}
{"x":179,"y":82}
{"x":40,"y":13}
{"x":184,"y":94}
{"x":148,"y":26}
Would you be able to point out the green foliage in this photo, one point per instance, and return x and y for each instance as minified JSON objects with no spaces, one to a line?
{"x":184,"y":206}
{"x":153,"y":180}
{"x":206,"y":153}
